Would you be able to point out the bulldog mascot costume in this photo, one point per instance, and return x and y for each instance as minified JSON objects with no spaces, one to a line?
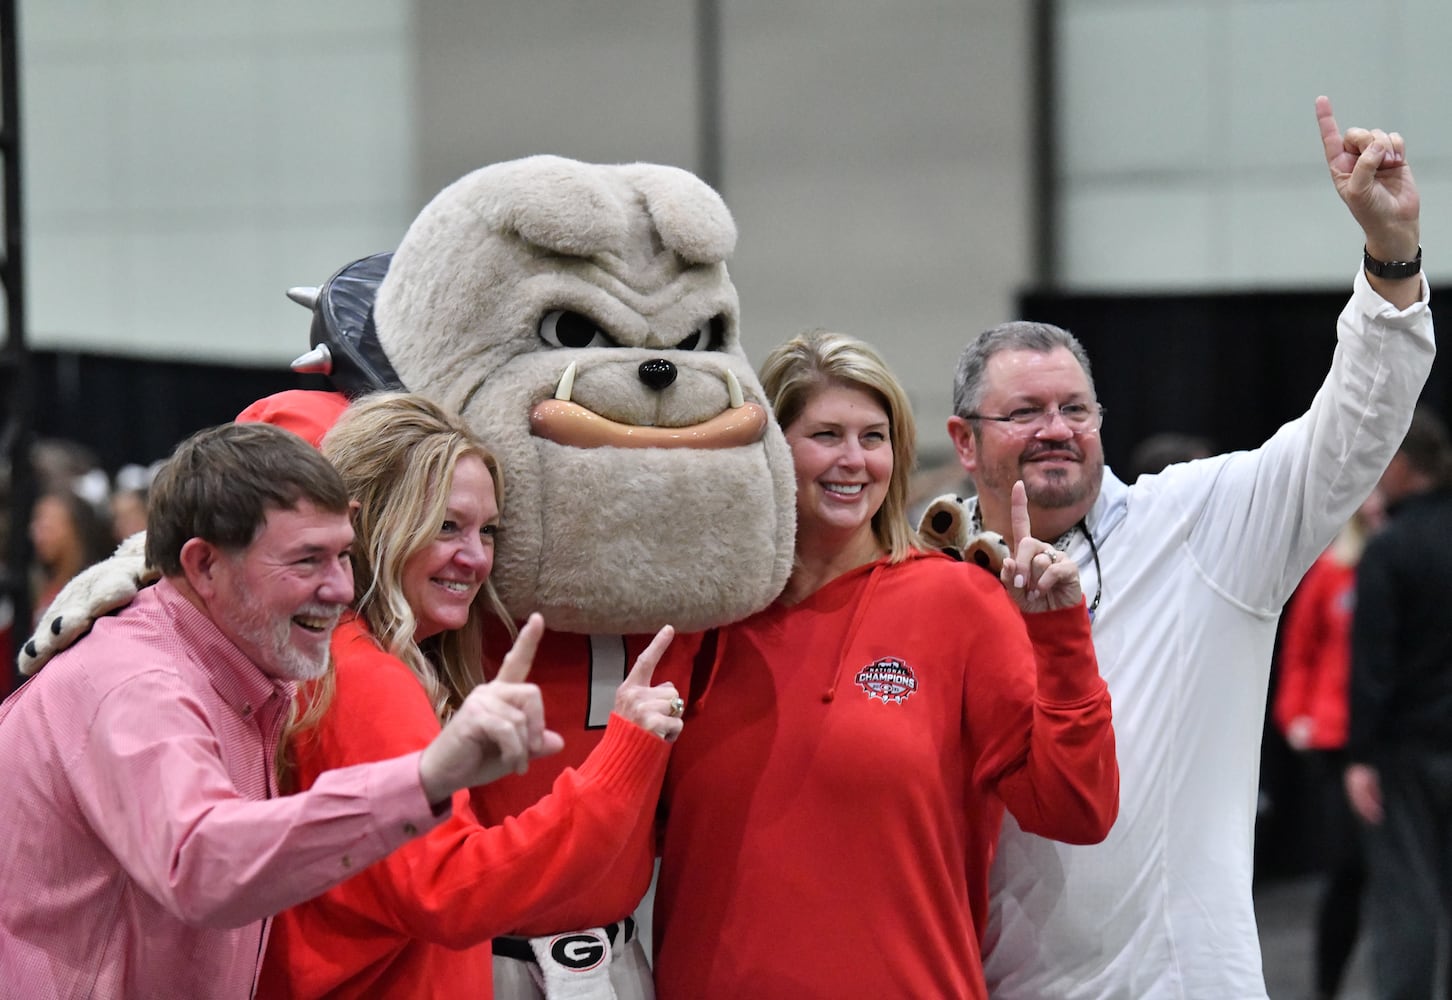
{"x":581,"y":318}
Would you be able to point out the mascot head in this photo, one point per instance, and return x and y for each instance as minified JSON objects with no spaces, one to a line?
{"x":581,"y":318}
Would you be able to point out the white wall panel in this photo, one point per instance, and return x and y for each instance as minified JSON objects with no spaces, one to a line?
{"x":1190,"y":128}
{"x":192,"y":134}
{"x":1143,"y":234}
{"x":186,"y":163}
{"x":1282,"y":54}
{"x":1137,"y":87}
{"x":1416,"y":64}
{"x":70,"y":132}
{"x":338,"y":116}
{"x":1289,"y":230}
{"x":80,"y":286}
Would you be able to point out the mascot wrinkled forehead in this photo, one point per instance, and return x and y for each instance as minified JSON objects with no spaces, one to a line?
{"x":581,"y":317}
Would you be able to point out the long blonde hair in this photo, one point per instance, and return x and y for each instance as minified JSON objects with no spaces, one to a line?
{"x":397,"y":453}
{"x":796,"y":370}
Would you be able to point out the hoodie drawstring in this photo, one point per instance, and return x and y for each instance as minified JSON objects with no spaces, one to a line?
{"x":864,"y":601}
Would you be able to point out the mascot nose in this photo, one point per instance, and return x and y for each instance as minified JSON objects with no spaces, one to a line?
{"x":657,"y":373}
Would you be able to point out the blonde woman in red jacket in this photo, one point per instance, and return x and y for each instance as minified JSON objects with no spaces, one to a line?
{"x":419,"y":923}
{"x":833,"y":802}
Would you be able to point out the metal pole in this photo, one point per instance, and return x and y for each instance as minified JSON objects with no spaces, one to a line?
{"x":708,"y":91}
{"x":1046,"y":145}
{"x":20,"y":390}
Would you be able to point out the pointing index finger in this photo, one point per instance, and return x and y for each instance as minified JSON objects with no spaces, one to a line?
{"x":1330,"y":133}
{"x":520,"y":657}
{"x":644,"y":668}
{"x":1018,"y":515}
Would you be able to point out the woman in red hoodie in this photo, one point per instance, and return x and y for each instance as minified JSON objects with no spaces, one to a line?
{"x":833,"y":803}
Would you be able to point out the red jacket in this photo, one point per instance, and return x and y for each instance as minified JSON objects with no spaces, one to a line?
{"x":419,"y":923}
{"x":1315,"y":658}
{"x":832,"y":806}
{"x":578,"y":683}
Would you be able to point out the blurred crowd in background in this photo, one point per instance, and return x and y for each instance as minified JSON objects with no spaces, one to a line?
{"x":81,"y":512}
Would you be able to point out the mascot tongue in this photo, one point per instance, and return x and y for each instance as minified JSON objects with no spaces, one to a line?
{"x":573,"y":425}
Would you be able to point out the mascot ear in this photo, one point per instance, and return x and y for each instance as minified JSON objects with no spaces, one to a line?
{"x":945,"y":525}
{"x":987,"y":549}
{"x":345,"y":343}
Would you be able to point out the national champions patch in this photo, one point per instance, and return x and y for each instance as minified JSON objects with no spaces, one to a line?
{"x":888,"y":679}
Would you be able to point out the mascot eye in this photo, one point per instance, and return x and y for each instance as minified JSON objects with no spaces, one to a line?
{"x":563,"y":328}
{"x":708,"y":336}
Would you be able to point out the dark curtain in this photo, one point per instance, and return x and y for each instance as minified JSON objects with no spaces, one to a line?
{"x":1231,"y":368}
{"x":133,"y":410}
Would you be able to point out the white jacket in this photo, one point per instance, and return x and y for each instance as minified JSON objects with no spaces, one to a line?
{"x":1197,"y":562}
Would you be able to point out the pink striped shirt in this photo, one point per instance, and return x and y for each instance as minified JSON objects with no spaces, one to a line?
{"x":141,"y":847}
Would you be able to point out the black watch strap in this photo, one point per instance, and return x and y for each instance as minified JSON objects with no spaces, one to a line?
{"x":1391,"y":268}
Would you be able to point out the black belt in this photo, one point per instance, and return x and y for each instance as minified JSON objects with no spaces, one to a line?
{"x":518,"y":948}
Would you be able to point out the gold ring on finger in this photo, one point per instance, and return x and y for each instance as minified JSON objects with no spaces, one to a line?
{"x":678,"y":707}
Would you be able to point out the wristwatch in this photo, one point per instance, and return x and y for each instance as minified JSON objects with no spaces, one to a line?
{"x":1391,"y":268}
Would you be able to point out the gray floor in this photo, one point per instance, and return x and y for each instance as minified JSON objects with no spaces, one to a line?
{"x":1284,"y":912}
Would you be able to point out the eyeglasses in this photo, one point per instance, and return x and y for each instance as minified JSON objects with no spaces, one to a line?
{"x":1081,"y":418}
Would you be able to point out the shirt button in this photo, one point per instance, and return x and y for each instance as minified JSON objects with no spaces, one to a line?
{"x":410,"y":829}
{"x":347,"y":861}
{"x":246,"y":709}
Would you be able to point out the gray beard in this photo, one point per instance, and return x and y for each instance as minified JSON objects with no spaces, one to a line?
{"x":285,"y":661}
{"x":1065,"y":493}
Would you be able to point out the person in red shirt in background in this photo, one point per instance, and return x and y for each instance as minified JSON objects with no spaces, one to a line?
{"x":832,"y":805}
{"x":420,"y":924}
{"x":1311,"y":710}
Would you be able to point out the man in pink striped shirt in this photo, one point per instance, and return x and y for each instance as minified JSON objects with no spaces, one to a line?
{"x":143,"y":843}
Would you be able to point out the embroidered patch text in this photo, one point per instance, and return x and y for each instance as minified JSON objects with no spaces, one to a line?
{"x":888,"y":679}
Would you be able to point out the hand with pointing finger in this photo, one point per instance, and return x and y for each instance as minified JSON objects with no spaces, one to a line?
{"x":1370,"y":171}
{"x":657,"y":709}
{"x":1038,"y":576}
{"x":498,"y":730}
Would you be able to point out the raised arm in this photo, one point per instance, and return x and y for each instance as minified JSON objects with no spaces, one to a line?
{"x":1041,"y":719}
{"x":1283,"y":502}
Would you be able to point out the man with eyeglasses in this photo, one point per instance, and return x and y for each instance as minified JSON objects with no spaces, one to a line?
{"x":1188,"y":571}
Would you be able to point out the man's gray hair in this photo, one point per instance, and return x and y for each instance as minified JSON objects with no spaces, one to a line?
{"x":1019,"y":335}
